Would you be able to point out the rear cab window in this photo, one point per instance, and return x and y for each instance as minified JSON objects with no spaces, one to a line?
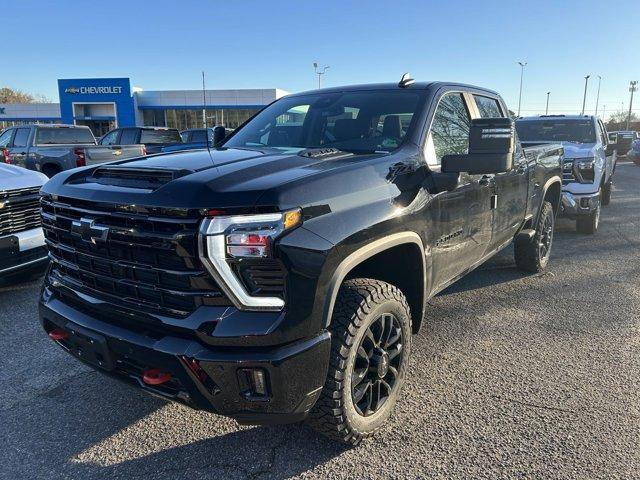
{"x":64,"y":136}
{"x":129,"y":136}
{"x":488,"y":107}
{"x":160,"y":136}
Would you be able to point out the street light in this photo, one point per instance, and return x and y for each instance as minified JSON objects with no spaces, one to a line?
{"x":320,"y":71}
{"x":546,"y":111}
{"x":598,"y":95}
{"x":632,"y":88}
{"x":522,"y":65}
{"x":584,"y":99}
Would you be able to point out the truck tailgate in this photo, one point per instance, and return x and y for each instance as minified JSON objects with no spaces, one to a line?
{"x":109,"y":153}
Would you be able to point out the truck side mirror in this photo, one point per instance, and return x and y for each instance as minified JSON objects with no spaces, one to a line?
{"x":219,"y":133}
{"x":491,"y":147}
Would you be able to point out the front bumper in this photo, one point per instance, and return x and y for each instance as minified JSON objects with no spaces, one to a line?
{"x":574,"y":205}
{"x":21,"y":251}
{"x":295,"y":373}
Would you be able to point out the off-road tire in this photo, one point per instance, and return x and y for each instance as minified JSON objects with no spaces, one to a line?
{"x":360,"y":303}
{"x":606,"y":193}
{"x":589,"y":223}
{"x":533,"y":255}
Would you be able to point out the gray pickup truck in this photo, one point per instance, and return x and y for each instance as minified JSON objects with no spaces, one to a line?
{"x":50,"y":149}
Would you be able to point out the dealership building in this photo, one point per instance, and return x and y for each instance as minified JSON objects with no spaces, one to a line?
{"x":107,"y":103}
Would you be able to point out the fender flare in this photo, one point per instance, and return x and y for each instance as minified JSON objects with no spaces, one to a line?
{"x":360,"y":255}
{"x":554,"y":179}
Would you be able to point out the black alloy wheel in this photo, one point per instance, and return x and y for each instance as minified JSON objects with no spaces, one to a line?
{"x":377,"y":364}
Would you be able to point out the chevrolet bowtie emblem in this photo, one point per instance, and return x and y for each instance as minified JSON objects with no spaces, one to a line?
{"x":116,"y":152}
{"x":87,"y":229}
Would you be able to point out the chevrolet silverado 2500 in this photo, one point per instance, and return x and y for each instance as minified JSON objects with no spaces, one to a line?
{"x":589,"y":162}
{"x":280,"y":276}
{"x":51,"y":149}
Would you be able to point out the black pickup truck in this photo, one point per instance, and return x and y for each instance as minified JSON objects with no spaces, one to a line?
{"x":281,"y":276}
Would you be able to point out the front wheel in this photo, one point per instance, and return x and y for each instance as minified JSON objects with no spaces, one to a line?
{"x":533,"y":255}
{"x":589,"y":223}
{"x":370,"y":345}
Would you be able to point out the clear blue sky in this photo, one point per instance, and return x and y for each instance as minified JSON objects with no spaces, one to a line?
{"x":163,"y":45}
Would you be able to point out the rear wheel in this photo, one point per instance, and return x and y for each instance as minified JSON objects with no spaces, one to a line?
{"x":606,"y":192}
{"x":533,"y":255}
{"x":51,"y":170}
{"x":370,"y":344}
{"x":589,"y":223}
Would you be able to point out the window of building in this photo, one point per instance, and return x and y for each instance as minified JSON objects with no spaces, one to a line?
{"x":488,"y":107}
{"x":449,"y":132}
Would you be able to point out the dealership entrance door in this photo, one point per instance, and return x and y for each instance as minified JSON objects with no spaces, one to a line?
{"x":99,"y":117}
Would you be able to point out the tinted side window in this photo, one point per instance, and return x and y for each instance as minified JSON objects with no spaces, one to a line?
{"x":199,"y":136}
{"x":110,"y":138}
{"x":5,"y":138}
{"x":450,"y":129}
{"x":21,"y":138}
{"x":488,"y":107}
{"x":128,"y":136}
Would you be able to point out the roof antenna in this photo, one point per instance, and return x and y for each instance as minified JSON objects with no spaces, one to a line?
{"x":406,"y":80}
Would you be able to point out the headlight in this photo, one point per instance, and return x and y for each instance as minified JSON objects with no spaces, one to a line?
{"x":225,"y":238}
{"x":585,"y":169}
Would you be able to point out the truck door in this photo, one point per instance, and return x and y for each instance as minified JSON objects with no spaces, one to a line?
{"x":20,"y":147}
{"x":462,"y":224}
{"x":510,"y":200}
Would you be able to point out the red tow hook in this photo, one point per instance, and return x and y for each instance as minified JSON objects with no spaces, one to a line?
{"x":58,"y":334}
{"x":155,"y":376}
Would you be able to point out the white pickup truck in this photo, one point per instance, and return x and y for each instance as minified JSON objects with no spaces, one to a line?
{"x":21,"y":238}
{"x":50,"y":149}
{"x":589,"y":162}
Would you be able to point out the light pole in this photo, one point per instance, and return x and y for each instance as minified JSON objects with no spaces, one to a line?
{"x":546,"y":110}
{"x":522,"y":65}
{"x":320,"y":71}
{"x":598,"y":95}
{"x":584,"y":99}
{"x":632,"y":88}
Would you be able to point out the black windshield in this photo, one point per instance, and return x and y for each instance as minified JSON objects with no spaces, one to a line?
{"x":557,"y":130}
{"x":359,"y":122}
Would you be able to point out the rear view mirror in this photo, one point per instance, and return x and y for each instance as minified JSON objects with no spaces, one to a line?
{"x":219,"y":133}
{"x":491,"y":147}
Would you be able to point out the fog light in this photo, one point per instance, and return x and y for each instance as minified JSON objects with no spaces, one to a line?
{"x":253,"y":383}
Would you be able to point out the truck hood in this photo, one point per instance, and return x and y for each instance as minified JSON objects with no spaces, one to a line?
{"x":12,"y":177}
{"x":579,"y":150}
{"x":222,"y":178}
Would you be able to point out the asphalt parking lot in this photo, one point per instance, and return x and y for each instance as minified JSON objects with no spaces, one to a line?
{"x":514,"y":376}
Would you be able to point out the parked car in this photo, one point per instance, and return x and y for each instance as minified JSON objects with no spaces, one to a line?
{"x":589,"y":162}
{"x":21,"y":240}
{"x":196,"y":138}
{"x":634,"y":153}
{"x":153,"y":138}
{"x":624,"y":139}
{"x":51,"y":149}
{"x":280,"y":276}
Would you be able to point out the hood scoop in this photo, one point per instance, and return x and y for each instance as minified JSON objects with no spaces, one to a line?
{"x":143,"y":178}
{"x":326,"y":153}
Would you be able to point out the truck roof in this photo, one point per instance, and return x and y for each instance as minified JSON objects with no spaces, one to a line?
{"x":394,"y":86}
{"x":50,"y":125}
{"x":551,"y":117}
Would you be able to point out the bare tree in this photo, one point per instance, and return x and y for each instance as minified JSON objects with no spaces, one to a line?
{"x":12,"y":95}
{"x":618,"y":121}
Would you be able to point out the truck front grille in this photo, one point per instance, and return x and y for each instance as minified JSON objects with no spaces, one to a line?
{"x":138,"y":261}
{"x":19,"y":210}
